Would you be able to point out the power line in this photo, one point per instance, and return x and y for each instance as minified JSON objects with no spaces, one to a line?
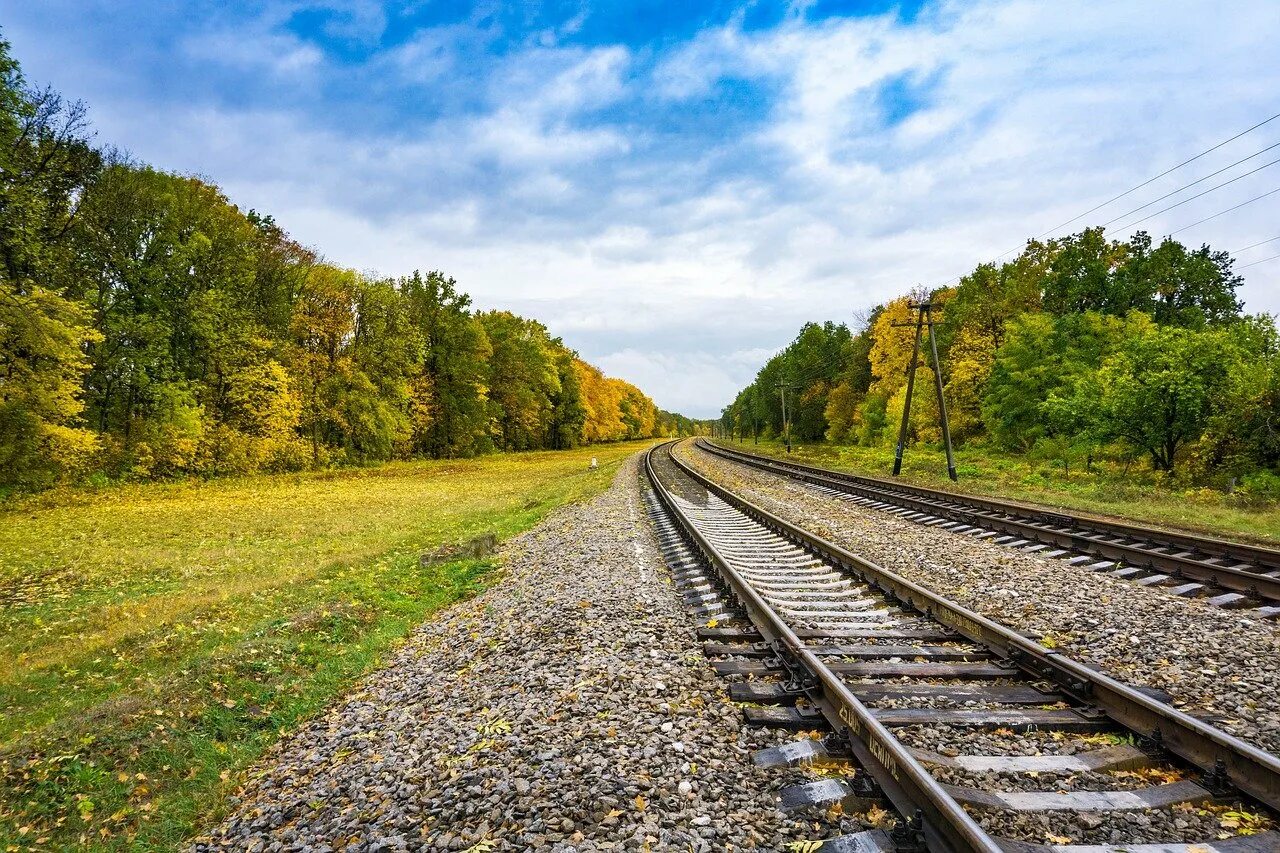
{"x":1256,"y":245}
{"x":1130,"y":191}
{"x":1196,"y":196}
{"x":1255,"y":263}
{"x":1161,"y":175}
{"x":1193,"y":183}
{"x":1222,"y":212}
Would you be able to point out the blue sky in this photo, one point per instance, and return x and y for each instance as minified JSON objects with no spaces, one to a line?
{"x":675,"y":188}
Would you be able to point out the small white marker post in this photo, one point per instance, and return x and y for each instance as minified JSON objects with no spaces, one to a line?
{"x":594,"y":464}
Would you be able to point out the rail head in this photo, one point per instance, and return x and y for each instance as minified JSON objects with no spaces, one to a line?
{"x":908,"y":785}
{"x":965,"y":506}
{"x":1260,"y":554}
{"x":1253,"y":771}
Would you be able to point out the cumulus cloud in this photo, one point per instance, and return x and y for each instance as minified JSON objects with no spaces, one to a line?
{"x":675,"y":209}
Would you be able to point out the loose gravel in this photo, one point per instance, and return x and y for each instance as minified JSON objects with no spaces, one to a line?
{"x":566,"y":708}
{"x":1220,"y":665}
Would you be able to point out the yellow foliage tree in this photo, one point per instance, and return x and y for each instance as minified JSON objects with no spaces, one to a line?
{"x":42,"y":342}
{"x":842,"y":412}
{"x":603,"y":404}
{"x":891,"y":347}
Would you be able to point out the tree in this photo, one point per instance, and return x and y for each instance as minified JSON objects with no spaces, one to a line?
{"x":603,"y":404}
{"x":1243,"y":434}
{"x":1159,"y":389}
{"x":523,"y":378}
{"x":1178,"y":287}
{"x":41,"y":363}
{"x":893,"y":343}
{"x":150,"y":328}
{"x":45,"y":164}
{"x":973,"y":328}
{"x":568,"y":404}
{"x":323,"y":321}
{"x":386,"y":349}
{"x":455,"y":405}
{"x":1080,"y":276}
{"x":1043,"y":356}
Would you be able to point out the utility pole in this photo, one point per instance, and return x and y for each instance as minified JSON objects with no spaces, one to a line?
{"x":755,"y":417}
{"x":942,"y":403}
{"x":786,"y":424}
{"x":924,"y":317}
{"x":911,"y":384}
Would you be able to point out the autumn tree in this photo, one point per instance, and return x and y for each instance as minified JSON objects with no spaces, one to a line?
{"x":45,"y":164}
{"x":454,"y":371}
{"x":568,"y":404}
{"x":524,"y":379}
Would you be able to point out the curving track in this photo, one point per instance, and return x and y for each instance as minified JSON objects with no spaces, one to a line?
{"x":1228,"y":574}
{"x":909,"y":684}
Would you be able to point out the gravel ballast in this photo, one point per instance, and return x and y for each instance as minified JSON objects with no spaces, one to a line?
{"x":1221,"y":665}
{"x":568,"y":707}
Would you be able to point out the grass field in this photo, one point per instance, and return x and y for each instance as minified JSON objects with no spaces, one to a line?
{"x":1106,"y":491}
{"x":155,"y":639}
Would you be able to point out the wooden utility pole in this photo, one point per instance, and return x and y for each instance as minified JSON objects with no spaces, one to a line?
{"x":911,"y":384}
{"x":786,"y":424}
{"x":924,"y":317}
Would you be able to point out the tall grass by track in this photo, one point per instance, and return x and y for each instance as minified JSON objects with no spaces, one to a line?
{"x":1108,"y":490}
{"x":155,"y":639}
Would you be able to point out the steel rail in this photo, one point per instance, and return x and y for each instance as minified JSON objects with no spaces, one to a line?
{"x":1251,"y":770}
{"x":1081,"y":533}
{"x":906,"y":783}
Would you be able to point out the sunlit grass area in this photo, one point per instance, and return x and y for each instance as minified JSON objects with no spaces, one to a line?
{"x":155,"y":639}
{"x":1107,"y":490}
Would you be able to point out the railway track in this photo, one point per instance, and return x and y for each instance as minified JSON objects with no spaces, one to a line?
{"x":1226,"y":574}
{"x":981,"y":739}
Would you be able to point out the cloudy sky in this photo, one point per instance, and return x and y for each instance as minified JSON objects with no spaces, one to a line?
{"x":675,"y":187}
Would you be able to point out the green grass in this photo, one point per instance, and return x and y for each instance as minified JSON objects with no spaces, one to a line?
{"x":155,"y":639}
{"x":1108,"y":490}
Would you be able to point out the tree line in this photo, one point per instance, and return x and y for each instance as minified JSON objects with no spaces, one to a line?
{"x":1079,"y":349}
{"x":149,"y":328}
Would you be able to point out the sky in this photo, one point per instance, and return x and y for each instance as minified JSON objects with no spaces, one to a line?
{"x":675,"y":188}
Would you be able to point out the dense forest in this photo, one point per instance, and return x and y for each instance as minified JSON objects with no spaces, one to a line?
{"x":1080,"y":349}
{"x":150,"y":328}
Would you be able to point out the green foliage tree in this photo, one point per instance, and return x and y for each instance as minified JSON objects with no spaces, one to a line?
{"x":1161,"y":386}
{"x":455,"y":401}
{"x":1177,"y":287}
{"x":568,"y":403}
{"x":1043,"y":356}
{"x":524,"y":379}
{"x":1080,"y":276}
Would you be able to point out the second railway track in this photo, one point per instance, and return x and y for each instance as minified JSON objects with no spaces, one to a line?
{"x":1228,"y":574}
{"x":913,"y":686}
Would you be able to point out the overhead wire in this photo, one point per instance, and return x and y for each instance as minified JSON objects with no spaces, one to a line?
{"x":1255,"y":263}
{"x":1223,"y":212}
{"x":1197,"y":181}
{"x":1256,"y":245}
{"x":1145,"y":183}
{"x":1197,"y":195}
{"x":1161,"y":175}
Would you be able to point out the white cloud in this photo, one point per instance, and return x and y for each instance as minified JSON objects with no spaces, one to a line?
{"x":680,"y":264}
{"x":282,"y":55}
{"x":699,"y":382}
